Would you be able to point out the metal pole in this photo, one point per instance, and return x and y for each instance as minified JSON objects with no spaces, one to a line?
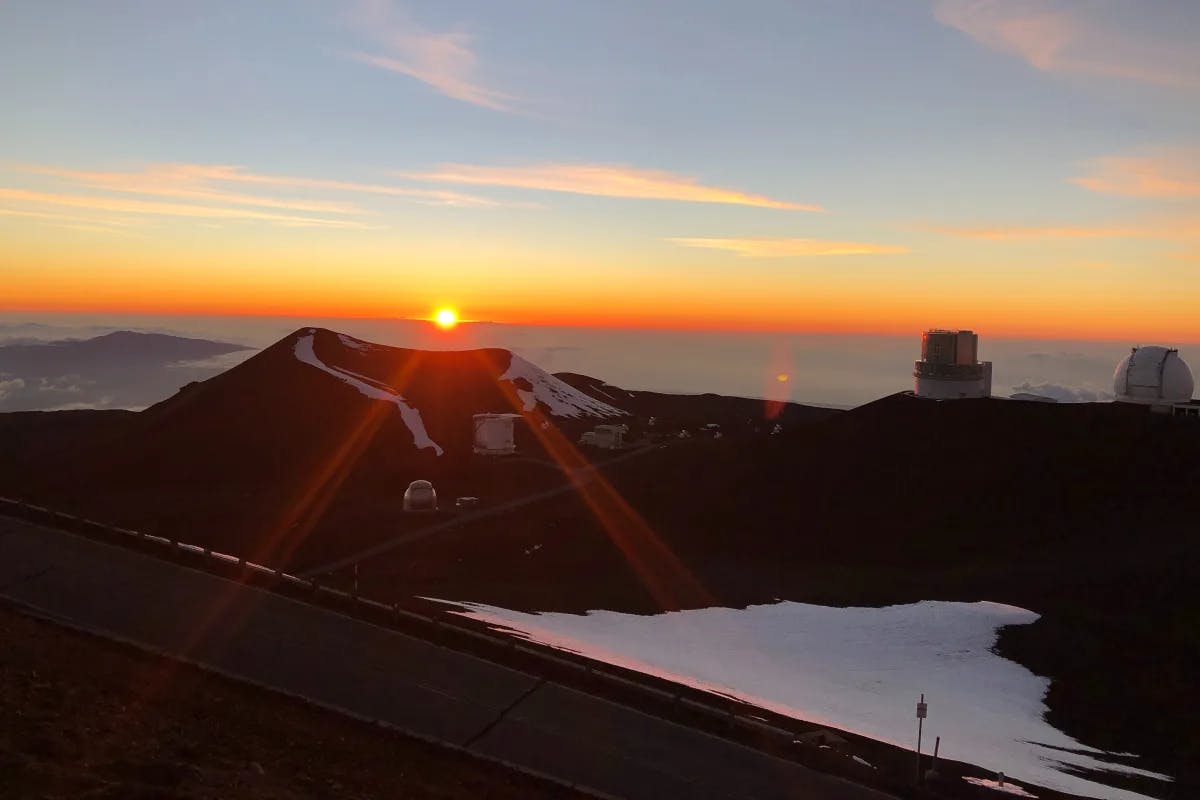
{"x":920,"y":730}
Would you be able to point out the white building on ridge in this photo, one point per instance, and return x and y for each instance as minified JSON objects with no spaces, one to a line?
{"x":494,"y":434}
{"x":1155,"y":376}
{"x":949,"y":368}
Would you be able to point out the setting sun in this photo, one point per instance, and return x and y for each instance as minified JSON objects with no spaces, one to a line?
{"x":445,"y":318}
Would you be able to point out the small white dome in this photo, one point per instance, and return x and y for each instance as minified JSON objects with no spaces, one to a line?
{"x":1153,"y":375}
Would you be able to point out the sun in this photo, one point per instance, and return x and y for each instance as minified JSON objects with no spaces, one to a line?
{"x":445,"y":318}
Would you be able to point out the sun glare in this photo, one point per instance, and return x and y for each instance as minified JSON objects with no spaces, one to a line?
{"x":445,"y":318}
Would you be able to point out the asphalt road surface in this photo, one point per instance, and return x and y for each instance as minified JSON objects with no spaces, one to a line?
{"x":379,"y":674}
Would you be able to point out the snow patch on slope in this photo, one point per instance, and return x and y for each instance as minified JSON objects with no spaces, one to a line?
{"x":560,"y":397}
{"x":858,"y":669}
{"x":355,"y":344}
{"x":994,"y":785}
{"x":376,"y":391}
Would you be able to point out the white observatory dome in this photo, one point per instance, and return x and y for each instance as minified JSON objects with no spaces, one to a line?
{"x":1153,"y":375}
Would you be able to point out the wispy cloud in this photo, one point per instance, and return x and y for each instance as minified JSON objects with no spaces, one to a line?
{"x":1170,"y":230}
{"x":204,"y":182}
{"x":203,"y":192}
{"x":183,"y":181}
{"x":999,"y":232}
{"x":604,"y":180}
{"x":446,"y":62}
{"x":120,"y":227}
{"x":1070,"y":36}
{"x":782,"y":248}
{"x":50,"y":215}
{"x":158,"y":208}
{"x":1168,"y":173}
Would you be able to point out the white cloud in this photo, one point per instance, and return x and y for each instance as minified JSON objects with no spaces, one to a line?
{"x":1064,"y":394}
{"x":446,"y":62}
{"x":10,"y":385}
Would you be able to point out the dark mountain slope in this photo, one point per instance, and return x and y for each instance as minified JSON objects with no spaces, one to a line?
{"x":272,"y":441}
{"x":674,"y":412}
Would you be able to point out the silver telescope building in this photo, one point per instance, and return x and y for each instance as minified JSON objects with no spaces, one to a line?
{"x":950,"y":368}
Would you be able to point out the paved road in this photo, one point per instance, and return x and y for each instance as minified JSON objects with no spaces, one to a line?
{"x":379,"y":674}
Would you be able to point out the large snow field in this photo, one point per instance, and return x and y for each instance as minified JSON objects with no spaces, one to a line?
{"x":857,"y":669}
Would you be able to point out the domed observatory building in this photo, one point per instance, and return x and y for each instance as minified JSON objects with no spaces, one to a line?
{"x":949,"y":368}
{"x":420,"y":496}
{"x":1157,"y":377}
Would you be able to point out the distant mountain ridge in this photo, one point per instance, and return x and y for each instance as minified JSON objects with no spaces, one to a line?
{"x":123,"y":369}
{"x":120,"y":349}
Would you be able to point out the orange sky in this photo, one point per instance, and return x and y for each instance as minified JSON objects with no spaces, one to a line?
{"x":1095,"y":315}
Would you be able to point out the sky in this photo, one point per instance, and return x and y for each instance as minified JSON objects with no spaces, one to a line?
{"x":1020,"y":167}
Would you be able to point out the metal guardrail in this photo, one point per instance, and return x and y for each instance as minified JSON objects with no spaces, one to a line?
{"x":210,"y":559}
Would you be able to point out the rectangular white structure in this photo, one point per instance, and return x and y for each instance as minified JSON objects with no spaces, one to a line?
{"x":494,"y":434}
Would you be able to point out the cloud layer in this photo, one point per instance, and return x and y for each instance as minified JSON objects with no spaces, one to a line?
{"x":1075,"y":37}
{"x":204,"y":191}
{"x":1064,"y":394}
{"x":603,"y":180}
{"x":782,"y":248}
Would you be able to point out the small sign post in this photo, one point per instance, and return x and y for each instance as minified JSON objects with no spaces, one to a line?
{"x":922,"y":712}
